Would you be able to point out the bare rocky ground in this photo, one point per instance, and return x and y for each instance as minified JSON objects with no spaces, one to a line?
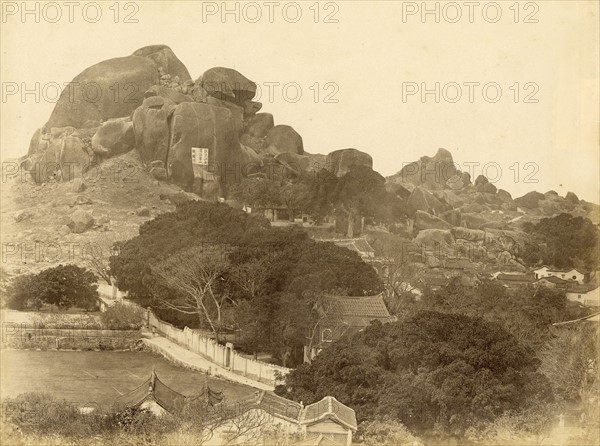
{"x":71,"y":222}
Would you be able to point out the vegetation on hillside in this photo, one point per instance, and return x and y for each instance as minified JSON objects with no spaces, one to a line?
{"x":210,"y":266}
{"x":64,"y":286}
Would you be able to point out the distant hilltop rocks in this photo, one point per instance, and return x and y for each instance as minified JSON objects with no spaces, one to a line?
{"x":438,"y":194}
{"x":196,"y":134}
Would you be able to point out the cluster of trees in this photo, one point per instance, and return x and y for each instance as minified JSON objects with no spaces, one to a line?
{"x":358,"y":194}
{"x":527,"y":312}
{"x":433,"y":372}
{"x":64,"y":286}
{"x":566,"y":241}
{"x":210,"y":266}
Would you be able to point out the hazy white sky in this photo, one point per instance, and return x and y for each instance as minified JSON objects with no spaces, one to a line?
{"x":373,"y":56}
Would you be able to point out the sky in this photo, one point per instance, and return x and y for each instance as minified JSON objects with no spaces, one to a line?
{"x":517,"y":87}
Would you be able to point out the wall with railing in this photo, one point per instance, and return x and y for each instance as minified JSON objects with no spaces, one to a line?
{"x":222,"y":355}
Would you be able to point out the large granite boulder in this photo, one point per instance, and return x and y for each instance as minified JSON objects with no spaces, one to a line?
{"x":294,"y":164}
{"x":115,"y":137}
{"x":423,"y":200}
{"x":113,"y":88}
{"x":530,"y":200}
{"x":165,"y":58}
{"x":423,"y":220}
{"x":169,"y":93}
{"x":471,"y":235}
{"x":260,"y":124}
{"x":434,"y":239}
{"x":151,"y":128}
{"x":572,"y":197}
{"x":431,"y":172}
{"x":80,"y":221}
{"x":228,"y":84}
{"x":204,"y":126}
{"x":61,"y":155}
{"x":339,"y":162}
{"x":283,"y":138}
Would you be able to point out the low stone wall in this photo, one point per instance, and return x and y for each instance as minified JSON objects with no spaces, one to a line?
{"x":68,"y":339}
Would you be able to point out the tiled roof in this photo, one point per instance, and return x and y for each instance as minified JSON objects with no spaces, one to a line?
{"x":584,"y":288}
{"x":362,"y":306}
{"x":553,"y":279}
{"x":559,"y":270}
{"x":516,"y":277}
{"x":329,"y":408}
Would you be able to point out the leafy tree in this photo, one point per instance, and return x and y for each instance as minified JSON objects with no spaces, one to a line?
{"x":65,"y":286}
{"x":572,"y":241}
{"x":527,"y":312}
{"x":433,"y":370}
{"x":358,"y":194}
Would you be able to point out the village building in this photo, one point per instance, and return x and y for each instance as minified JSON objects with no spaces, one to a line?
{"x":326,"y":422}
{"x":515,"y":279}
{"x":565,"y":274}
{"x":343,"y":316}
{"x":554,"y":282}
{"x":586,"y":294}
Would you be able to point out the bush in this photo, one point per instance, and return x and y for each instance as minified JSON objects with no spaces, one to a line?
{"x":65,"y":286}
{"x":123,"y":316}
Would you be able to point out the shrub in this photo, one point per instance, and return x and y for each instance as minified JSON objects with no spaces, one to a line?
{"x":123,"y":316}
{"x":65,"y":286}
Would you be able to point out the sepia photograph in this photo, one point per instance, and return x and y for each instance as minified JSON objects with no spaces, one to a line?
{"x":303,"y":223}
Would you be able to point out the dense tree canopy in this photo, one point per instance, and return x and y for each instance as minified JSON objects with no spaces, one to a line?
{"x":567,"y":241}
{"x":433,"y":370}
{"x":65,"y":286}
{"x":526,"y":312}
{"x":266,"y":283}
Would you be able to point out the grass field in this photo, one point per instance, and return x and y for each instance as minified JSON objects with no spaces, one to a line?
{"x":86,"y":377}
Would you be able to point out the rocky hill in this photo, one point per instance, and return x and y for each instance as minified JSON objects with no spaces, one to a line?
{"x":465,"y":218}
{"x":134,"y":134}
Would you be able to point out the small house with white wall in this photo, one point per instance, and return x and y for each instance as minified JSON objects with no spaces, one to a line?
{"x":565,"y":274}
{"x":586,"y":294}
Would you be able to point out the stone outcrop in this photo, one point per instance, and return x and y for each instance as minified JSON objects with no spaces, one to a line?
{"x":423,"y":220}
{"x":60,"y":155}
{"x":151,"y":128}
{"x":168,"y":93}
{"x":423,"y":200}
{"x":114,"y":88}
{"x":282,"y":139}
{"x":229,"y":85}
{"x":80,"y":221}
{"x":434,"y":173}
{"x":530,"y":200}
{"x":259,"y":125}
{"x":114,"y":138}
{"x":339,"y":162}
{"x":572,"y":197}
{"x":204,"y":126}
{"x":165,"y":59}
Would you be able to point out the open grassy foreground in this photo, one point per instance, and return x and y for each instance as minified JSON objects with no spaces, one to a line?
{"x":98,"y":378}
